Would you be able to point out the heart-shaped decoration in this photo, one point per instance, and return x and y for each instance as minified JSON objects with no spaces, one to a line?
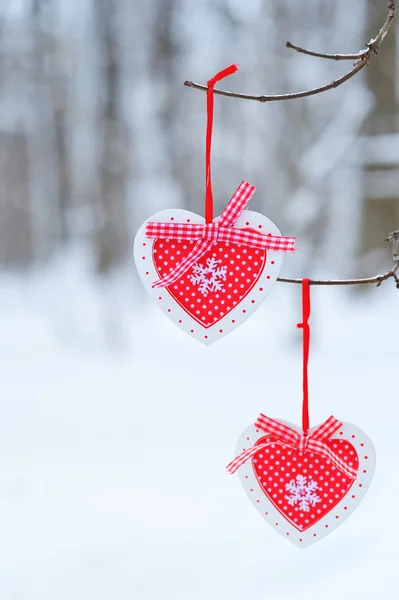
{"x":225,"y":286}
{"x":303,"y":495}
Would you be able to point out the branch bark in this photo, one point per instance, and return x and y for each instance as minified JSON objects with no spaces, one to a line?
{"x":362,"y":59}
{"x":377,"y":279}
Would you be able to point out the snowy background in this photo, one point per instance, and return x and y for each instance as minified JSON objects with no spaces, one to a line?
{"x":116,"y":427}
{"x":112,"y":469}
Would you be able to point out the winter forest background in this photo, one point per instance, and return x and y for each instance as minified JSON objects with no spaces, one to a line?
{"x":115,"y":427}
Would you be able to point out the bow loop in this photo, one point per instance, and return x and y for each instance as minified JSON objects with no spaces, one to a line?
{"x":222,"y":230}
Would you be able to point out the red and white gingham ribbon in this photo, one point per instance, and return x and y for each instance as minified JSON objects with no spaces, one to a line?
{"x":218,"y":231}
{"x":315,"y":442}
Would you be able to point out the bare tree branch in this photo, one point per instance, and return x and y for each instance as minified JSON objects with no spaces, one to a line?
{"x":372,"y":46}
{"x":362,"y":59}
{"x":377,"y":279}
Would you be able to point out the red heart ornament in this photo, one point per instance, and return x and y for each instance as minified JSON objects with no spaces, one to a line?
{"x":226,"y":285}
{"x":302,"y":494}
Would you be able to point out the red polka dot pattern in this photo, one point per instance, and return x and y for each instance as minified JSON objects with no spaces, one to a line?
{"x":304,"y":487}
{"x":218,"y":282}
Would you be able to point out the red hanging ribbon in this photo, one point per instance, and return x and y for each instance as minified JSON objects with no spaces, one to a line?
{"x":306,"y":342}
{"x":209,"y":108}
{"x":316,"y":441}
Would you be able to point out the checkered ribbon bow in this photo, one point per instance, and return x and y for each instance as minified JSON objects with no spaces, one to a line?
{"x":219,"y":231}
{"x":315,"y":442}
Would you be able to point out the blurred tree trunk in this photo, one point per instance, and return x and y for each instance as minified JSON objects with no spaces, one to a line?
{"x":112,"y":231}
{"x":50,"y":156}
{"x":163,"y":69}
{"x":59,"y":92}
{"x":382,"y":75}
{"x":15,"y":225}
{"x":179,"y":149}
{"x":381,"y":202}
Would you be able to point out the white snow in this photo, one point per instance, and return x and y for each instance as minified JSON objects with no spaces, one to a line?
{"x":112,"y":481}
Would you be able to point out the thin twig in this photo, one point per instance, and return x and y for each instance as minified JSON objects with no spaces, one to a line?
{"x":356,"y":56}
{"x":362,"y":59}
{"x":377,"y":279}
{"x":372,"y":46}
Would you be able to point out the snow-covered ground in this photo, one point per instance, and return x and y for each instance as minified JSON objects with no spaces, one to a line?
{"x":116,"y":427}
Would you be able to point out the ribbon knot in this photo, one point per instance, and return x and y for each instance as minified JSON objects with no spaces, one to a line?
{"x":210,"y":231}
{"x":303,"y":442}
{"x":285,"y":435}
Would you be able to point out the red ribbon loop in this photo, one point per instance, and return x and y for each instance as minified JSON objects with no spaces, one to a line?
{"x":285,"y":435}
{"x":209,"y":125}
{"x":222,"y":230}
{"x":222,"y":74}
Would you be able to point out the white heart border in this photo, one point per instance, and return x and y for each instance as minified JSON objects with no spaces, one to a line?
{"x":143,"y":247}
{"x":319,"y":530}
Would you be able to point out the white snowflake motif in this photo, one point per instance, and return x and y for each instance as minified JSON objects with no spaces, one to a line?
{"x":302,"y":492}
{"x":208,"y":278}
